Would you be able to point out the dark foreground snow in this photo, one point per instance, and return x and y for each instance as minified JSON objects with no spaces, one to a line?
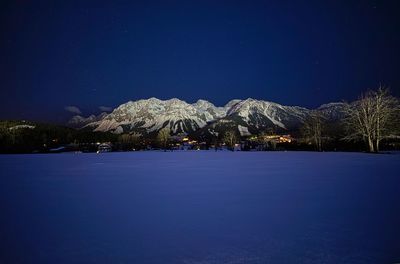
{"x":200,"y":207}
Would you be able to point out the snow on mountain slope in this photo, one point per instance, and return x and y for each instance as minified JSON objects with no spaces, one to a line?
{"x":211,"y":111}
{"x":333,"y":111}
{"x":232,"y":103}
{"x":152,"y":114}
{"x":252,"y":116}
{"x":261,"y":113}
{"x":246,"y":116}
{"x":243,"y":131}
{"x":79,"y":121}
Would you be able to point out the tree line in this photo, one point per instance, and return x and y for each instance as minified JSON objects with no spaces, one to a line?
{"x":371,"y":119}
{"x":366,"y":123}
{"x":27,"y":137}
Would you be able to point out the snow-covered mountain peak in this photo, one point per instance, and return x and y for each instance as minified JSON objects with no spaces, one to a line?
{"x":333,"y":104}
{"x":261,"y":113}
{"x":333,"y":111}
{"x":232,"y":103}
{"x":204,"y":104}
{"x":150,"y":115}
{"x":80,"y":121}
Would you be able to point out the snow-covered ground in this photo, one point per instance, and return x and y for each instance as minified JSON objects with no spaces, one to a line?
{"x":200,"y":207}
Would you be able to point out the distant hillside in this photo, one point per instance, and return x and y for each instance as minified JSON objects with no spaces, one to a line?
{"x":21,"y":136}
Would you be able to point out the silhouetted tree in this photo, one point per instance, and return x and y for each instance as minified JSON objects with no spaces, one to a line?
{"x":163,"y":137}
{"x":230,"y":139}
{"x":313,"y":129}
{"x":129,"y":141}
{"x":372,"y":118}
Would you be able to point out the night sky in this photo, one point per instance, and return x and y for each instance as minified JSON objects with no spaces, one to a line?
{"x":101,"y":54}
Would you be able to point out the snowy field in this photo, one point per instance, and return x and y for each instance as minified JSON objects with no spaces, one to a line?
{"x":200,"y":207}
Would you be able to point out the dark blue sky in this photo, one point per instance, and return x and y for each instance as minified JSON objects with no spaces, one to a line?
{"x":100,"y":53}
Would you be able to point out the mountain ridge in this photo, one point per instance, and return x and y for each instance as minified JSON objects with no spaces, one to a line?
{"x":247,"y":116}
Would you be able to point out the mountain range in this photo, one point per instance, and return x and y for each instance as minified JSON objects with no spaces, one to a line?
{"x":247,"y":117}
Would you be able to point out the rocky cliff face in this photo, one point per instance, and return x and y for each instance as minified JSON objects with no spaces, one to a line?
{"x":247,"y":116}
